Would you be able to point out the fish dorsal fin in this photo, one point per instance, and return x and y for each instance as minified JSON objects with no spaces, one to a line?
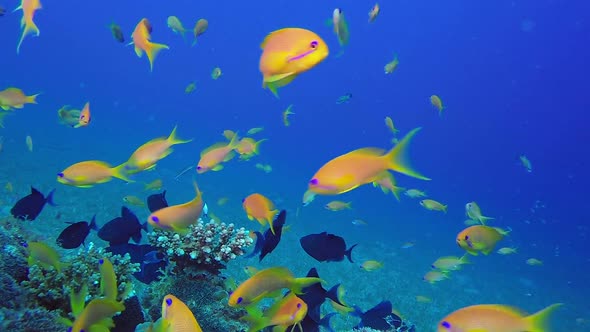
{"x":272,"y":35}
{"x":213,"y":147}
{"x":368,"y":151}
{"x":35,"y":192}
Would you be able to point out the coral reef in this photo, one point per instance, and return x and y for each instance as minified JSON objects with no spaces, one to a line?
{"x":52,"y":289}
{"x":207,"y":246}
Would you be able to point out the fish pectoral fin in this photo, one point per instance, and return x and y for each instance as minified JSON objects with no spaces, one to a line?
{"x":277,"y":78}
{"x":218,"y":167}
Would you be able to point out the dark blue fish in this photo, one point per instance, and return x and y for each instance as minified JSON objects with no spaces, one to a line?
{"x":29,"y":207}
{"x":267,"y":242}
{"x":380,"y":317}
{"x":121,"y":229}
{"x":150,"y":271}
{"x":315,"y":295}
{"x":326,"y":247}
{"x":310,"y":325}
{"x":75,"y":234}
{"x":157,"y":202}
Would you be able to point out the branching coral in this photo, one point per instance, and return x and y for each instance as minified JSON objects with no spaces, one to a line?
{"x":207,"y":245}
{"x":52,"y":289}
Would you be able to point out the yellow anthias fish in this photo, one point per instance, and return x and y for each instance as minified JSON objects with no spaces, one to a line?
{"x":266,"y":283}
{"x":507,"y":251}
{"x":200,"y":28}
{"x":338,"y":206}
{"x":12,"y":98}
{"x":430,"y":204}
{"x":450,"y":263}
{"x":179,"y":217}
{"x":147,"y":155}
{"x":496,"y":318}
{"x":96,"y":316}
{"x":29,"y":7}
{"x":29,"y":143}
{"x":437,"y":103}
{"x":288,"y":311}
{"x":108,"y":279}
{"x":480,"y":238}
{"x":213,"y":156}
{"x":287,"y":53}
{"x":362,"y":166}
{"x":415,"y":193}
{"x":133,"y":200}
{"x":68,"y":117}
{"x":391,"y":66}
{"x":261,"y":209}
{"x":43,"y":254}
{"x":473,"y":211}
{"x":286,"y":114}
{"x":435,"y":276}
{"x":390,"y":126}
{"x":154,"y":185}
{"x":177,"y":317}
{"x":85,"y":174}
{"x":534,"y":262}
{"x":255,"y":130}
{"x":175,"y":25}
{"x":248,"y":147}
{"x":371,"y":265}
{"x":141,"y":37}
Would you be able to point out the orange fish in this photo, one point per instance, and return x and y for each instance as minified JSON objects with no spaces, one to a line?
{"x":176,"y":316}
{"x":480,"y":238}
{"x":29,"y":7}
{"x":287,"y":53}
{"x":213,"y":156}
{"x":179,"y":217}
{"x":248,"y":147}
{"x":84,"y":118}
{"x":141,"y":39}
{"x":12,"y":98}
{"x":362,"y":166}
{"x":260,"y":208}
{"x":288,"y":311}
{"x":88,"y":173}
{"x":266,"y":283}
{"x":147,"y":155}
{"x":496,"y":318}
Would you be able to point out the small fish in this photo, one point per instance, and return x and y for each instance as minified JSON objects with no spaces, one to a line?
{"x":250,"y":270}
{"x":338,"y":206}
{"x":200,"y":28}
{"x":216,"y":73}
{"x":133,"y":200}
{"x":85,"y":174}
{"x":68,"y":117}
{"x":154,"y":185}
{"x":248,"y":148}
{"x":141,"y":37}
{"x":29,"y":142}
{"x":256,"y":130}
{"x":156,"y":202}
{"x":408,"y":245}
{"x":29,"y":7}
{"x":30,"y":206}
{"x":15,"y":98}
{"x":190,"y":88}
{"x":222,"y":201}
{"x":374,"y":12}
{"x":359,"y":222}
{"x":286,"y":114}
{"x":121,"y":229}
{"x":371,"y":265}
{"x":308,"y":197}
{"x":449,"y":263}
{"x":534,"y":262}
{"x":325,"y":247}
{"x":473,"y":211}
{"x":84,"y":118}
{"x":260,"y":208}
{"x":423,"y":299}
{"x":340,"y":27}
{"x":506,"y":251}
{"x":480,"y":238}
{"x":74,"y":235}
{"x":415,"y":193}
{"x":175,"y":25}
{"x":435,"y":276}
{"x":496,"y":318}
{"x":218,"y":153}
{"x":97,"y":310}
{"x":117,"y":32}
{"x":266,"y":168}
{"x":43,"y":254}
{"x":390,"y":126}
{"x":391,"y":66}
{"x":437,"y":103}
{"x":433,"y":205}
{"x":344,"y":99}
{"x":526,"y":163}
{"x":287,"y":311}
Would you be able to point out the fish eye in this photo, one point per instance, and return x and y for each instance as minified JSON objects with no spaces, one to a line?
{"x":199,"y":168}
{"x":101,"y":261}
{"x":314,"y":44}
{"x":446,"y":324}
{"x":239,"y":300}
{"x":298,"y":305}
{"x":314,"y":181}
{"x":60,"y":174}
{"x":69,"y":329}
{"x":155,"y":219}
{"x":466,"y":237}
{"x":168,"y":302}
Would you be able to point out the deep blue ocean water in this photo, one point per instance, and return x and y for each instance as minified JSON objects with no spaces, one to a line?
{"x":513,"y":76}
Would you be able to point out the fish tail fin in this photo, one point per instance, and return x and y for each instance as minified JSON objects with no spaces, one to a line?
{"x":348,"y":253}
{"x":444,"y":208}
{"x":77,"y":300}
{"x":483,"y":219}
{"x":299,"y":283}
{"x":270,"y":219}
{"x":397,"y":159}
{"x":152,"y":52}
{"x":332,"y":294}
{"x":49,"y":198}
{"x":144,"y":226}
{"x":32,"y":99}
{"x":174,"y":139}
{"x":257,"y":145}
{"x":121,"y":173}
{"x":539,"y":321}
{"x":93,"y":223}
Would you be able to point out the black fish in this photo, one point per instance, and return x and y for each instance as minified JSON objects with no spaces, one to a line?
{"x":121,"y":229}
{"x":156,"y":202}
{"x":380,"y":317}
{"x":270,"y":240}
{"x":310,"y":325}
{"x":75,"y":234}
{"x":257,"y":246}
{"x":29,"y":207}
{"x":315,"y":295}
{"x":150,"y":271}
{"x":326,"y":247}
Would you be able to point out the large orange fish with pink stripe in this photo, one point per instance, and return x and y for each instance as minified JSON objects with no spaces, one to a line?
{"x":142,"y":40}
